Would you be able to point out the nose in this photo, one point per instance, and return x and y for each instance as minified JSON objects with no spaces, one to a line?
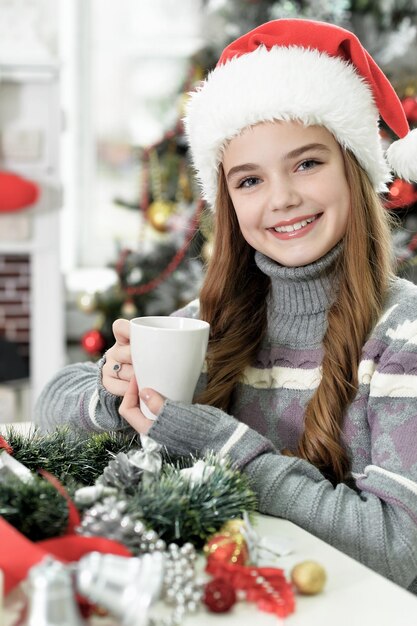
{"x":283,"y":193}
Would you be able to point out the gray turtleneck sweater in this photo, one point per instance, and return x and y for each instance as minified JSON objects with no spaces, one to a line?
{"x":374,"y":517}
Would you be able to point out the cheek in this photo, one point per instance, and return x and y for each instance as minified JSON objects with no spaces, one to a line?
{"x":247,"y":223}
{"x":243,"y":223}
{"x":243,"y":214}
{"x":246,"y":226}
{"x":341,"y":208}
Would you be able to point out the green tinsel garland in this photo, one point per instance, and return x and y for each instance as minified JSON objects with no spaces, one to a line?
{"x":68,"y":455}
{"x":36,"y":508}
{"x":177,"y":509}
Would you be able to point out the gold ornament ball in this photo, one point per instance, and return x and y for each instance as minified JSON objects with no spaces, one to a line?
{"x":158,"y":214}
{"x":129,"y":309}
{"x":233,"y":526}
{"x":308,"y":577}
{"x":87,"y":302}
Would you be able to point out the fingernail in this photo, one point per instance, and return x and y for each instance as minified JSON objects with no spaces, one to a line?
{"x":145,"y":395}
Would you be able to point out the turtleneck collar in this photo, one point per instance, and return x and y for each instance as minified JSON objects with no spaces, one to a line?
{"x":299,"y":297}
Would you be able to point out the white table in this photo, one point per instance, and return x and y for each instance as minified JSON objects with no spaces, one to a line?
{"x":354,"y":595}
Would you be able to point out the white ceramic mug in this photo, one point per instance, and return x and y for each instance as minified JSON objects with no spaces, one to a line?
{"x":168,"y":355}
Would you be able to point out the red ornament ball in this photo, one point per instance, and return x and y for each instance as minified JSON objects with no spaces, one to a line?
{"x":219,"y":596}
{"x":401,"y":194}
{"x":227,"y":548}
{"x":410,"y":108}
{"x":93,"y":342}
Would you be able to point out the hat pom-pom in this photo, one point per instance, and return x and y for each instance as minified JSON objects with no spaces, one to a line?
{"x":402,"y":156}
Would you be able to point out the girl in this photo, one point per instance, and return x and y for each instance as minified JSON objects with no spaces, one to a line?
{"x":311,"y":379}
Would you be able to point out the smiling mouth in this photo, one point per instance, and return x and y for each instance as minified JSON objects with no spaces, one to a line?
{"x":290,"y":228}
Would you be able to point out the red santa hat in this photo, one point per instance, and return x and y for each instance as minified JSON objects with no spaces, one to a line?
{"x":313,"y":72}
{"x":16,"y":192}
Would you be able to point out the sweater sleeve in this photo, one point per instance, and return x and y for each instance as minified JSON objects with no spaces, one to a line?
{"x":375,"y":524}
{"x":75,"y":397}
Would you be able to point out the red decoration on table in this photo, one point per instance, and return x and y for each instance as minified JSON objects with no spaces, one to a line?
{"x":229,"y":544}
{"x":5,"y":446}
{"x":18,"y":554}
{"x":93,"y":342}
{"x":219,"y":596}
{"x":16,"y":192}
{"x":227,"y":548}
{"x":266,"y":586}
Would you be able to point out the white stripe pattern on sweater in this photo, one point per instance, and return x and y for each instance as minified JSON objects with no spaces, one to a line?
{"x":386,"y":315}
{"x":278,"y":377}
{"x":381,"y":385}
{"x":233,"y":439}
{"x":366,"y":370}
{"x":92,"y":405}
{"x":406,"y":331}
{"x":402,"y":480}
{"x":393,"y":386}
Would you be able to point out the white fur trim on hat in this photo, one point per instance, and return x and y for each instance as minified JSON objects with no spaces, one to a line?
{"x":283,"y":83}
{"x":401,"y":155}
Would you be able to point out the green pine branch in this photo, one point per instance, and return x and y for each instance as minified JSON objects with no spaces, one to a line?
{"x":175,"y":508}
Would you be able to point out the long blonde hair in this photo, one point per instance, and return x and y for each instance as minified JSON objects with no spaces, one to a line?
{"x":234,"y":298}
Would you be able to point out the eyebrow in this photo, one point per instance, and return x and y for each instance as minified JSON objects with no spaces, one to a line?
{"x":249,"y":167}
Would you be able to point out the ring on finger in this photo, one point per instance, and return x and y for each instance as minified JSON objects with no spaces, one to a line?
{"x":117,"y":368}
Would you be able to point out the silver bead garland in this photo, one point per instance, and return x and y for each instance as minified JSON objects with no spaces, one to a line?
{"x":181,"y":590}
{"x":109,"y":519}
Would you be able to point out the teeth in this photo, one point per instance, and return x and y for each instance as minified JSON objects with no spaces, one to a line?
{"x":291,"y":228}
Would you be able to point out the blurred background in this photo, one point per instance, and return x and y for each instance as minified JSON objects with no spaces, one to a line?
{"x":99,"y":214}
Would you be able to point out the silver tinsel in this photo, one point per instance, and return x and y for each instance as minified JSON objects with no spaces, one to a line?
{"x":124,"y":471}
{"x":127,"y":469}
{"x":9,"y":466}
{"x":121,"y":472}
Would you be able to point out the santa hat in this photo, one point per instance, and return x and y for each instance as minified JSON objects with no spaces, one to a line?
{"x":310,"y":71}
{"x":16,"y":192}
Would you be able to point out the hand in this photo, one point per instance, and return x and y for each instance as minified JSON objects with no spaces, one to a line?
{"x":129,"y":408}
{"x":116,"y":381}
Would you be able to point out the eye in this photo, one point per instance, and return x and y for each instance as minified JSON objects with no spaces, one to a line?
{"x":308,"y":164}
{"x":249,"y":181}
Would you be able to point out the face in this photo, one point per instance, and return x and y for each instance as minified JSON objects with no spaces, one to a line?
{"x":288,"y":186}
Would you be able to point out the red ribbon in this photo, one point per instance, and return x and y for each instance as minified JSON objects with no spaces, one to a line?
{"x":73,"y":514}
{"x":5,"y":445}
{"x":18,"y":554}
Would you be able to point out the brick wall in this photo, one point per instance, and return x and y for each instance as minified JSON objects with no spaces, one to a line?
{"x":15,"y":300}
